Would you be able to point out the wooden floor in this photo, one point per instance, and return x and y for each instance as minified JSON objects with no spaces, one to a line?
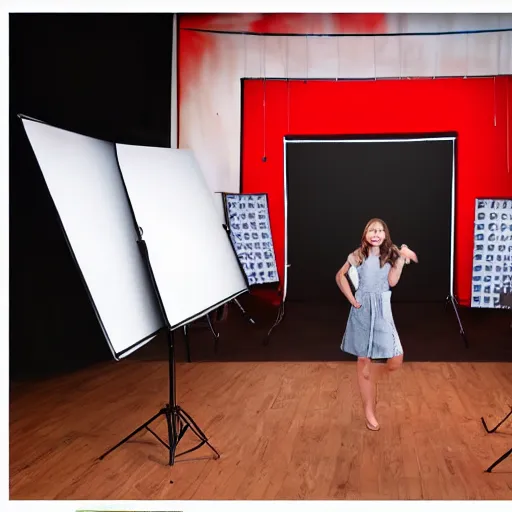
{"x":284,"y":431}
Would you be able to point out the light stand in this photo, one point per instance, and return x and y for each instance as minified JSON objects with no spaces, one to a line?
{"x":455,"y":304}
{"x":244,"y":312}
{"x":215,"y":334}
{"x":492,"y":431}
{"x":451,"y":296}
{"x":279,"y":318}
{"x":178,"y":420}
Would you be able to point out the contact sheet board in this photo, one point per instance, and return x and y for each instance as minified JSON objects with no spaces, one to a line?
{"x":492,"y":254}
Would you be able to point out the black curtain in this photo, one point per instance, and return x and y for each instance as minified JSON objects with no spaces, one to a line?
{"x":335,"y":188}
{"x":103,"y":75}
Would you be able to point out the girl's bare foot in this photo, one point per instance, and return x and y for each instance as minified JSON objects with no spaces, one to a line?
{"x":371,"y":420}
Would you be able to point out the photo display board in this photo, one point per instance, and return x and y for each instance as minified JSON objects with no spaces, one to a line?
{"x":248,"y":223}
{"x":492,"y":254}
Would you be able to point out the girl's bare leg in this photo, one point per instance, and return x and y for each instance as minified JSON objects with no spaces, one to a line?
{"x":366,"y":379}
{"x":368,"y":374}
{"x":394,"y":363}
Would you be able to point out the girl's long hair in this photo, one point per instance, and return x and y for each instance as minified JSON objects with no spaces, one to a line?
{"x":389,"y":253}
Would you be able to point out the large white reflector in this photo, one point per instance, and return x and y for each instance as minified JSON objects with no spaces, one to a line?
{"x":194,"y":265}
{"x":85,"y":184}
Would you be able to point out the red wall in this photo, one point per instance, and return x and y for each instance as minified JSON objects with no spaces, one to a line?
{"x":273,"y":109}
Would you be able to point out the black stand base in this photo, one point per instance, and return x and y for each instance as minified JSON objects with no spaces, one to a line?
{"x":451,"y":299}
{"x":498,"y":461}
{"x":178,"y":422}
{"x":492,"y":431}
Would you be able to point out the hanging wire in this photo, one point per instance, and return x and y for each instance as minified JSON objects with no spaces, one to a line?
{"x":288,"y":106}
{"x":467,"y":56}
{"x":338,"y":39}
{"x":400,"y":56}
{"x":287,"y":87}
{"x":436,"y":55}
{"x":508,"y":122}
{"x":494,"y":99}
{"x":307,"y":58}
{"x":286,"y":63}
{"x":264,"y":105}
{"x":499,"y":54}
{"x":374,"y":59}
{"x":262,"y":58}
{"x":245,"y":55}
{"x":498,"y":49}
{"x":265,"y":56}
{"x":400,"y":31}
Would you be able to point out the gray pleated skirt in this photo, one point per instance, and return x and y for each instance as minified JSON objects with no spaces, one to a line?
{"x":371,"y":330}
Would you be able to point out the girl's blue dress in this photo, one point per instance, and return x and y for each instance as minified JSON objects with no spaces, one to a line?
{"x":371,"y":330}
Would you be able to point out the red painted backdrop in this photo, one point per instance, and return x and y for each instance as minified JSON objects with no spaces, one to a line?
{"x":273,"y":109}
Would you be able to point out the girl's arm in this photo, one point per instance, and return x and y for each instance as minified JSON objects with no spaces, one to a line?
{"x":343,"y":284}
{"x":396,"y":270}
{"x":408,"y":254}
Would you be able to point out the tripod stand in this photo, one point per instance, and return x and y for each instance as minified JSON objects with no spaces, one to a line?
{"x":491,"y":431}
{"x":178,"y":420}
{"x":455,"y":304}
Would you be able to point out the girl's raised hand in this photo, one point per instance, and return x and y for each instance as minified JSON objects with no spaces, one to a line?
{"x":408,"y":254}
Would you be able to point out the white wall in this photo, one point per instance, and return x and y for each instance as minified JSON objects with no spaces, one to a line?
{"x":210,"y":113}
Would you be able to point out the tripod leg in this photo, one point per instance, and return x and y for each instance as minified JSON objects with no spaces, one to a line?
{"x":280,"y":316}
{"x":461,"y":329}
{"x":214,"y":332}
{"x":492,"y":430}
{"x":244,"y":312}
{"x":500,"y":460}
{"x":210,"y":325}
{"x":188,"y":420}
{"x":136,"y":431}
{"x":171,"y":429}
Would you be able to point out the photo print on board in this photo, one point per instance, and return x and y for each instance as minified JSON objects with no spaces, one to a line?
{"x":248,"y":221}
{"x":492,"y":253}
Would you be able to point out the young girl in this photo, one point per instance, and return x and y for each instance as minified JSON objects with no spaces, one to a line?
{"x":371,"y":332}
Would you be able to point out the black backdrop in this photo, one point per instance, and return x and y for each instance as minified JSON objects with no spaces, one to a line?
{"x":335,"y":188}
{"x":103,"y":75}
